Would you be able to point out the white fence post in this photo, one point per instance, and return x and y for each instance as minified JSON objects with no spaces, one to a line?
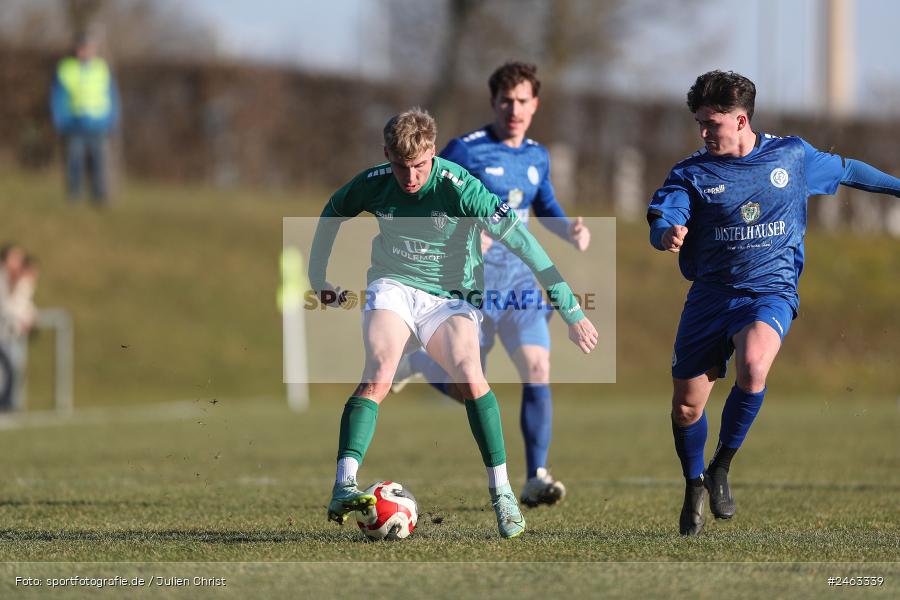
{"x":60,"y":322}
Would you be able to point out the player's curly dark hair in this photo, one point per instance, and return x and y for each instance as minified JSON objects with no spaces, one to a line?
{"x":511,"y":74}
{"x":723,"y":92}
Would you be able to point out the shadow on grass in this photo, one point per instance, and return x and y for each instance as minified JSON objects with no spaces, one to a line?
{"x":20,"y":503}
{"x":849,"y":486}
{"x":428,"y":533}
{"x":178,"y":535}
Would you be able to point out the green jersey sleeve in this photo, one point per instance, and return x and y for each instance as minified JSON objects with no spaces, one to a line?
{"x":492,"y":214}
{"x":345,"y":204}
{"x":503,"y":224}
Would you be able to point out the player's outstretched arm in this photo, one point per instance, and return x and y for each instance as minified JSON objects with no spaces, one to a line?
{"x":825,"y":171}
{"x":864,"y":176}
{"x":323,"y":241}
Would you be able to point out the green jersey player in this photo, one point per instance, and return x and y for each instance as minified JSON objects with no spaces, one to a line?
{"x":423,"y":287}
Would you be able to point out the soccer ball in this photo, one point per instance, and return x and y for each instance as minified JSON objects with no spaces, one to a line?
{"x":394,"y":515}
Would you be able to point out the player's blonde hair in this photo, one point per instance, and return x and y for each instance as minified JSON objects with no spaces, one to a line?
{"x":410,"y":133}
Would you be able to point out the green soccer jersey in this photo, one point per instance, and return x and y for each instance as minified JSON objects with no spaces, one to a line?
{"x":429,"y":240}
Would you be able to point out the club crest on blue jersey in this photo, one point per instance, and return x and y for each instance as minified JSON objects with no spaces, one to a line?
{"x":751,"y":212}
{"x":515,"y":197}
{"x":439,"y":219}
{"x":779,"y":177}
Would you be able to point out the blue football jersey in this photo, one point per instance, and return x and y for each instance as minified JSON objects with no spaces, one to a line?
{"x":746,"y":217}
{"x":521,"y":178}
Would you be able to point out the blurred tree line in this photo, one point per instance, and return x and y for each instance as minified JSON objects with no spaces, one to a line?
{"x":189,"y":115}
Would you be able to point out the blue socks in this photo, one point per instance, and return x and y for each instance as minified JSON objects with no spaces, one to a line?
{"x":689,"y":443}
{"x":740,"y":409}
{"x":536,"y":420}
{"x":434,"y":374}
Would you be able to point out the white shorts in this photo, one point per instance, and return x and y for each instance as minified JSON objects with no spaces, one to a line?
{"x":422,"y":312}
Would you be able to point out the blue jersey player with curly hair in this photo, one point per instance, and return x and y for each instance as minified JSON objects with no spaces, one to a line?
{"x":735,"y":212}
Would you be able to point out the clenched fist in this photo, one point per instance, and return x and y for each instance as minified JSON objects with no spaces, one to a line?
{"x":673,"y":238}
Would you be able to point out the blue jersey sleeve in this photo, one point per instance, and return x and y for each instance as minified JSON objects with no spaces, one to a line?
{"x":547,"y":209}
{"x":456,"y":151}
{"x":657,"y":229}
{"x":671,"y":202}
{"x":824,"y":170}
{"x":862,"y":176}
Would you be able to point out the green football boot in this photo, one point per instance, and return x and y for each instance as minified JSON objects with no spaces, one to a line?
{"x":510,"y":521}
{"x":346,"y":497}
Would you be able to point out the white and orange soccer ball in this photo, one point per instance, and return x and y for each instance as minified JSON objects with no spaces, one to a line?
{"x":394,"y":515}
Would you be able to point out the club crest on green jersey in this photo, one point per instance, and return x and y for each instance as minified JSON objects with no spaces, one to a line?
{"x":439,"y":219}
{"x":751,"y":212}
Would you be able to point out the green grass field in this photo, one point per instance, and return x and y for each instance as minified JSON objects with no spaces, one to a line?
{"x":247,"y":481}
{"x":170,"y":468}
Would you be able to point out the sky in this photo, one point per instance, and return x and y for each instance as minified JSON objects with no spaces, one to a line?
{"x":321,"y":35}
{"x":777,"y":43}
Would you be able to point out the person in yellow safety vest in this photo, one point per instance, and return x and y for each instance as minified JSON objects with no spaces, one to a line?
{"x":84,"y":103}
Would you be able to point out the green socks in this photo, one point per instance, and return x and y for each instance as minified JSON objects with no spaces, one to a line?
{"x":484,"y":420}
{"x":360,"y":415}
{"x":357,"y":427}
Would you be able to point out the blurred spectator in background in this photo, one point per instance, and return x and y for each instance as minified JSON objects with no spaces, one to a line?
{"x":18,"y":279}
{"x":85,"y":107}
{"x":19,"y":310}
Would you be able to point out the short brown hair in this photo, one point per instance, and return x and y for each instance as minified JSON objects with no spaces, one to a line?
{"x":722,"y":92}
{"x":410,"y":133}
{"x":511,"y":74}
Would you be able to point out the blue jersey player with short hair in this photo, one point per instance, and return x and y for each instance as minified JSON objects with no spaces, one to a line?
{"x":735,"y":212}
{"x":517,"y":169}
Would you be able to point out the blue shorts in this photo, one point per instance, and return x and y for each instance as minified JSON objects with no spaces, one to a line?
{"x":517,"y":322}
{"x":711,"y":319}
